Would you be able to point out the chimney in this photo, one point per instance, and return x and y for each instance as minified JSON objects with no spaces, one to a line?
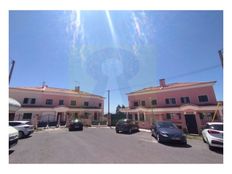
{"x":162,"y":83}
{"x":77,"y":88}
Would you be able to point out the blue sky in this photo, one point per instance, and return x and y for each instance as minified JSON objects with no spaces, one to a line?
{"x":118,"y":50}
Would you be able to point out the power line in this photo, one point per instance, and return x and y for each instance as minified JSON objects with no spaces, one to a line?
{"x":172,"y":77}
{"x":194,"y":72}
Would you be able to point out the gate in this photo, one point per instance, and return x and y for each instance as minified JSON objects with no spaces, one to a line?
{"x":191,"y":123}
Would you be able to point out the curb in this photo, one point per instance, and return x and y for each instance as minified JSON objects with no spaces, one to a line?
{"x":141,"y":130}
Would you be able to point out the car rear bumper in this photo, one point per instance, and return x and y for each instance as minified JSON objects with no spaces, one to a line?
{"x":216,"y":143}
{"x":76,"y":127}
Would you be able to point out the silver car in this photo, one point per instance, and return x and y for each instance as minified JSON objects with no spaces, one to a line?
{"x":24,"y":127}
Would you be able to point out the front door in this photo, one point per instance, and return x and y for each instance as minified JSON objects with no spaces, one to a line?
{"x":191,"y":123}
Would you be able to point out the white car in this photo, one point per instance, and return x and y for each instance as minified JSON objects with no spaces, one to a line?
{"x":24,"y":127}
{"x":213,"y":134}
{"x":13,"y":136}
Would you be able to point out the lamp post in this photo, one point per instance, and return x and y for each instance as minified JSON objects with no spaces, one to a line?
{"x":11,"y":69}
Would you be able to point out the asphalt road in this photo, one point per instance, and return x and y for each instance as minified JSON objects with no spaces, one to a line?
{"x":103,"y":145}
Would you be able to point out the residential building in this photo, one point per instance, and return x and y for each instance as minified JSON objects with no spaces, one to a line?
{"x":188,"y":105}
{"x":46,"y":106}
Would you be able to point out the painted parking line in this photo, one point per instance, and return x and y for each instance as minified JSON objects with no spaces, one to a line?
{"x":148,"y":140}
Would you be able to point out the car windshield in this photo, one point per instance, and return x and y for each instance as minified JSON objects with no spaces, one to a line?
{"x":217,"y":127}
{"x":166,"y":125}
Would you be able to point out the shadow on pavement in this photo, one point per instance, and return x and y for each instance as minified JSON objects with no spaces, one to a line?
{"x":177,"y":145}
{"x":25,"y":137}
{"x":11,"y":151}
{"x":126,"y":133}
{"x":217,"y":150}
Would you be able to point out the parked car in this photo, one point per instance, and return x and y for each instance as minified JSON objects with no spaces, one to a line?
{"x":76,"y":125}
{"x":212,"y":134}
{"x":126,"y":125}
{"x":13,"y":136}
{"x":166,"y":131}
{"x":24,"y":127}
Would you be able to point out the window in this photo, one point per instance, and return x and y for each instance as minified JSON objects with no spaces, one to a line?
{"x":49,"y":102}
{"x":202,"y":115}
{"x":61,"y":102}
{"x":185,"y":100}
{"x":168,"y":116}
{"x":170,"y":101}
{"x":143,"y":103}
{"x":136,"y":117}
{"x":73,"y":102}
{"x":29,"y":101}
{"x":86,"y":103}
{"x":100,"y":105}
{"x":27,"y":116}
{"x":95,"y":116}
{"x":130,"y":116}
{"x":175,"y":116}
{"x":86,"y":115}
{"x":33,"y":101}
{"x":141,"y":117}
{"x":25,"y":100}
{"x":154,"y":102}
{"x":75,"y":115}
{"x":203,"y":98}
{"x":136,"y":103}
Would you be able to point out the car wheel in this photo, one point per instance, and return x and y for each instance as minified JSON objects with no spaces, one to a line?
{"x":21,"y":134}
{"x":203,"y":139}
{"x":184,"y":143}
{"x":158,"y":138}
{"x":130,"y":131}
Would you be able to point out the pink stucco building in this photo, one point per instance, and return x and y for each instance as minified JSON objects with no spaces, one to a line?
{"x":188,"y":105}
{"x":46,"y":106}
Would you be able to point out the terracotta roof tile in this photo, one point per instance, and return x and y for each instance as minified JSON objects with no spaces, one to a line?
{"x":172,"y":86}
{"x":60,"y":90}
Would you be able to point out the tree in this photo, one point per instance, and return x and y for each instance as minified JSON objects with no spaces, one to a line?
{"x":118,"y":109}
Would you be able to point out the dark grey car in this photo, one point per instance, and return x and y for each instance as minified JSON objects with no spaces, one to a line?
{"x":166,"y":131}
{"x":126,"y":125}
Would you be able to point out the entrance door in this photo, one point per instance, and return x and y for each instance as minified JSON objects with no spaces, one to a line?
{"x":191,"y":123}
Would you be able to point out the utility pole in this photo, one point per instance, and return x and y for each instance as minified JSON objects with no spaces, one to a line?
{"x":220,"y":52}
{"x":11,"y":69}
{"x":108,"y":106}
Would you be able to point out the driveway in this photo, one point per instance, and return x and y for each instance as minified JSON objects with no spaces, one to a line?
{"x":103,"y":145}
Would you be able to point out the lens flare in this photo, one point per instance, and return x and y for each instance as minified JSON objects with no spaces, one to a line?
{"x":109,"y":19}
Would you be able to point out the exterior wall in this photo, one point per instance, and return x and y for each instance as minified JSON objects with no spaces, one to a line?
{"x":160,"y":97}
{"x":59,"y":114}
{"x":150,"y":117}
{"x":19,"y":95}
{"x":179,"y":111}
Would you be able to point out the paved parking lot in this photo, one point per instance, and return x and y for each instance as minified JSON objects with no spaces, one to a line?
{"x":103,"y":145}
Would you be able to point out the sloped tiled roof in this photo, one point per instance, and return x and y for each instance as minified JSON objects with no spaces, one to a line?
{"x":58,"y":90}
{"x":171,"y":86}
